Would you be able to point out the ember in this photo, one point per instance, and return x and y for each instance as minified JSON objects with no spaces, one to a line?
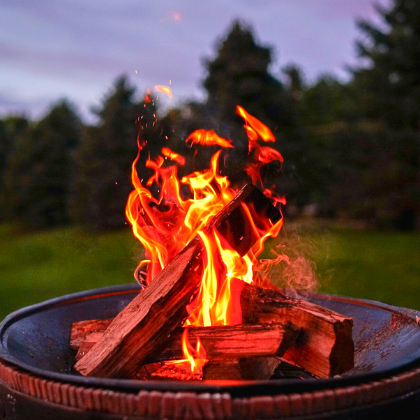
{"x":201,"y":253}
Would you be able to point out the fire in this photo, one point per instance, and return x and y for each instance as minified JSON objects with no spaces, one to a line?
{"x":165,"y":89}
{"x":173,"y":156}
{"x":194,"y":358}
{"x":208,"y":138}
{"x":254,"y":127}
{"x":167,"y":223}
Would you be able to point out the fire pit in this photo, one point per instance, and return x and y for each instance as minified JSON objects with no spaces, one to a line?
{"x":208,"y":314}
{"x":36,"y":371}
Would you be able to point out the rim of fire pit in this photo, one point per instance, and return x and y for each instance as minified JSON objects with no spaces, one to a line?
{"x":12,"y":325}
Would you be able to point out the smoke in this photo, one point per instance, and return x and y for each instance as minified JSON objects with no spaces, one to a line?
{"x":290,"y":267}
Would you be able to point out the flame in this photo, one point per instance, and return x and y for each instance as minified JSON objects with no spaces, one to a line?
{"x":167,"y":152}
{"x":165,"y":89}
{"x":255,"y":130}
{"x":166,"y":223}
{"x":255,"y":127}
{"x":194,"y":359}
{"x":208,"y":138}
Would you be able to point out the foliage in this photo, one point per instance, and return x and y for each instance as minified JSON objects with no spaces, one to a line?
{"x":103,"y":161}
{"x":389,"y":82}
{"x":377,"y":177}
{"x":352,"y":148}
{"x":38,"y":175}
{"x":11,"y":128}
{"x":323,"y":103}
{"x":239,"y":74}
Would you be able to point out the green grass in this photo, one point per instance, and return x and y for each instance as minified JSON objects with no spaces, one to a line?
{"x":36,"y":267}
{"x":383,"y":266}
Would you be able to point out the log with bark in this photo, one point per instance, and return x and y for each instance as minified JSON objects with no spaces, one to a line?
{"x":143,"y":326}
{"x":324,"y":346}
{"x":247,"y":368}
{"x":220,"y":342}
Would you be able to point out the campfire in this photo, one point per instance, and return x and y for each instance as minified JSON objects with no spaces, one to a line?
{"x":204,"y":310}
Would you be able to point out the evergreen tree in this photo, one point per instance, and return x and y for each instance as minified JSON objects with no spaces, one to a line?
{"x":103,"y":161}
{"x":324,"y":103}
{"x":239,"y":75}
{"x":11,"y":128}
{"x":39,"y":174}
{"x":389,"y":82}
{"x":376,"y":163}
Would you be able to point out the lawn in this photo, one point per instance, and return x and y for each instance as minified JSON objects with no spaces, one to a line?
{"x":383,"y":266}
{"x":36,"y":267}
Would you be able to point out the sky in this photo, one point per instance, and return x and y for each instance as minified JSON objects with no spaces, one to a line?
{"x":75,"y":49}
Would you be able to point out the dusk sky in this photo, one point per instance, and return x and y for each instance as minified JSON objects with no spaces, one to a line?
{"x":76,"y":48}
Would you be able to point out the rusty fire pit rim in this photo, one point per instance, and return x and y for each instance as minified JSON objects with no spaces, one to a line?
{"x":250,"y":387}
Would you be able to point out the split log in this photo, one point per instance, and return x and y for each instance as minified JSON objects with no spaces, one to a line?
{"x":250,"y":368}
{"x":146,"y":371}
{"x":258,"y":367}
{"x":177,"y":371}
{"x":81,"y":329}
{"x":147,"y":320}
{"x":89,"y":341}
{"x":220,"y":342}
{"x":325,"y":346}
{"x":143,"y":326}
{"x":247,"y":368}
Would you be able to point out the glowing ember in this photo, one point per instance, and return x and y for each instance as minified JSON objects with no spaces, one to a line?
{"x":166,"y":224}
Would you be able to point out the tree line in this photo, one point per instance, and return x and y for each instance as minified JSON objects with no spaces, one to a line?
{"x":351,"y":149}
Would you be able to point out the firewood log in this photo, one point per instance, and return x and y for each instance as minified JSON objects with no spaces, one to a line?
{"x":246,"y":368}
{"x":250,"y":368}
{"x":220,"y":343}
{"x":325,"y":346}
{"x":142,"y":327}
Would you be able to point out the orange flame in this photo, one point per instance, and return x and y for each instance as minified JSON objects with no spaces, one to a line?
{"x":255,"y":129}
{"x":254,"y":126}
{"x":208,"y":138}
{"x":167,"y":223}
{"x":195,"y":359}
{"x":165,"y":89}
{"x":167,"y":152}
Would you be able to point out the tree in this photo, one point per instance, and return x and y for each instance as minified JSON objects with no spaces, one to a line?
{"x":38,"y":177}
{"x":11,"y":128}
{"x":239,"y":74}
{"x":389,"y":81}
{"x":324,"y":102}
{"x":377,"y":177}
{"x":103,"y":160}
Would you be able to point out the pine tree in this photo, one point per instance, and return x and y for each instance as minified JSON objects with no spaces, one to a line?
{"x":239,"y":74}
{"x":38,"y":177}
{"x":389,"y":82}
{"x":103,"y":161}
{"x":11,"y":128}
